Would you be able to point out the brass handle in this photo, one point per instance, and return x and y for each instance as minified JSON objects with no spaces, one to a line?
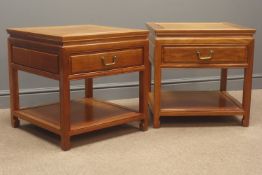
{"x":211,"y":54}
{"x":115,"y":59}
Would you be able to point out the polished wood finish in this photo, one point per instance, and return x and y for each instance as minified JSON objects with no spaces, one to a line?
{"x":35,"y":59}
{"x":144,"y":90}
{"x":246,"y":102}
{"x":85,"y":114}
{"x":199,"y":29}
{"x":106,"y":60}
{"x":67,"y":53}
{"x":191,"y":103}
{"x":75,"y":34}
{"x":14,"y":89}
{"x":223,"y":80}
{"x":221,"y":54}
{"x":89,"y":87}
{"x":200,"y":45}
{"x":65,"y":110}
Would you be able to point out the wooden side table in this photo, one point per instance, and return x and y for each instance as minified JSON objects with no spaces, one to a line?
{"x":200,"y":45}
{"x":67,"y":53}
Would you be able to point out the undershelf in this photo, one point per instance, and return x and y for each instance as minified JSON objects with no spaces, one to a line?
{"x":86,"y":115}
{"x":197,"y":103}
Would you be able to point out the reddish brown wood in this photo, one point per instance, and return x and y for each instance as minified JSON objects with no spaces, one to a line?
{"x":38,"y":119}
{"x":220,"y":45}
{"x":157,"y":86}
{"x":150,"y":76}
{"x":35,"y":71}
{"x":89,"y":87}
{"x":14,"y":88}
{"x":203,"y":102}
{"x":77,"y":34}
{"x":76,"y":52}
{"x":64,"y":85}
{"x":106,"y":46}
{"x":199,"y":29}
{"x":106,"y":60}
{"x":198,"y":65}
{"x":85,"y":115}
{"x":233,"y":99}
{"x":144,"y":90}
{"x":247,"y":89}
{"x":223,"y":80}
{"x":35,"y":59}
{"x":221,"y":54}
{"x":205,"y":41}
{"x":106,"y":72}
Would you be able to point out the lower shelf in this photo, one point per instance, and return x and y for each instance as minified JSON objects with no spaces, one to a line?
{"x":195,"y":103}
{"x":86,"y":115}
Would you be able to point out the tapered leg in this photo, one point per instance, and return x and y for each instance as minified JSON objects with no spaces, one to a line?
{"x":65,"y":113}
{"x":223,"y":80}
{"x":14,"y":89}
{"x":89,"y":87}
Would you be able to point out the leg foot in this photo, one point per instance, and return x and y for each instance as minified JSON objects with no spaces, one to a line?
{"x":156,"y":123}
{"x":143,"y":125}
{"x":15,"y":122}
{"x":245,"y":122}
{"x":65,"y":143}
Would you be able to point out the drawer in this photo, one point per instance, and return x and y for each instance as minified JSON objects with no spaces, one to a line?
{"x":100,"y":61}
{"x":204,"y":54}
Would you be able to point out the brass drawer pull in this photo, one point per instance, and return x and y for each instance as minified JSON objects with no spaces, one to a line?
{"x":211,"y":54}
{"x":115,"y":59}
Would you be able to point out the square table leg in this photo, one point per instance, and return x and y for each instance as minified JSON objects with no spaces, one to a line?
{"x":247,"y":89}
{"x":157,"y":87}
{"x":89,"y":87}
{"x":143,"y":99}
{"x":223,"y":80}
{"x":14,"y":89}
{"x":144,"y":87}
{"x":14,"y":96}
{"x":64,"y":84}
{"x":150,"y":76}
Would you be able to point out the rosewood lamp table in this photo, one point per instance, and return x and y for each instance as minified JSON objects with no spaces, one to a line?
{"x":200,"y":45}
{"x":66,"y":53}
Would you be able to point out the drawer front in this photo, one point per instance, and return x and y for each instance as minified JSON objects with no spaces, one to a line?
{"x":205,"y":54}
{"x":35,"y":59}
{"x":106,"y":60}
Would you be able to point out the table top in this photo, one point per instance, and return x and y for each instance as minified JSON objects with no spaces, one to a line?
{"x":75,"y":32}
{"x":220,"y":27}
